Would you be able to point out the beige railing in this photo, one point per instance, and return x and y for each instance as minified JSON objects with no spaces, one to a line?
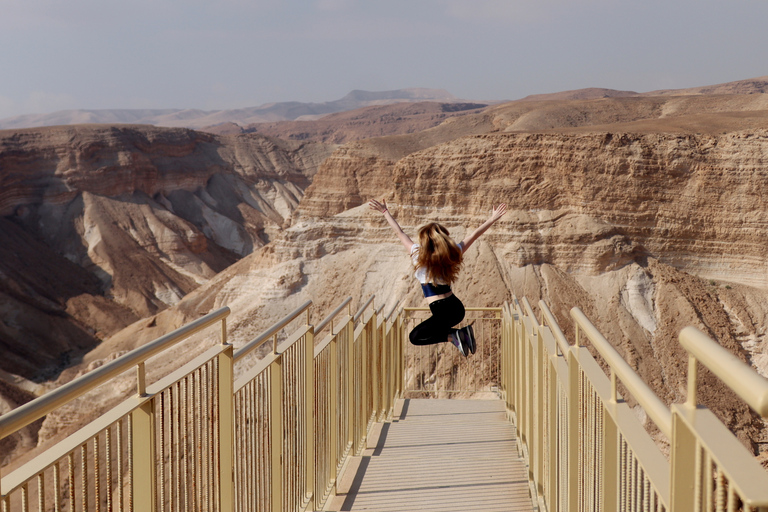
{"x":268,"y":427}
{"x":587,"y":450}
{"x":285,"y":426}
{"x":440,"y":371}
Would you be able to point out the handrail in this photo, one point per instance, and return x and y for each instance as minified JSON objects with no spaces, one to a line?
{"x":387,"y":317}
{"x":515,"y":305}
{"x":36,"y":409}
{"x":653,"y":406}
{"x":549,"y":320}
{"x":363,"y":308}
{"x":333,"y":314}
{"x":529,"y":312}
{"x":739,"y":376}
{"x":258,"y":341}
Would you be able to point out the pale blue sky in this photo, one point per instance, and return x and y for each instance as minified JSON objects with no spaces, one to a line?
{"x":60,"y":54}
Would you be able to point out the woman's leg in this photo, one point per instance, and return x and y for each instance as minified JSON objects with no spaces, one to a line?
{"x":445,"y":314}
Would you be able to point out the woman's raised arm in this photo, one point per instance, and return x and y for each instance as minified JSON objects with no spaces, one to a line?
{"x":498,"y":212}
{"x":382,"y":207}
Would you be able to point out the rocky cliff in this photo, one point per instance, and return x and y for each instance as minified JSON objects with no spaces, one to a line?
{"x":646,"y":233}
{"x":102,"y":226}
{"x":646,"y":230}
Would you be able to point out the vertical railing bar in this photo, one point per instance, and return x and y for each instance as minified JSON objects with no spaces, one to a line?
{"x":176,"y":445}
{"x":131,"y":464}
{"x":196,"y":441}
{"x":119,"y":476}
{"x":25,"y":497}
{"x":210,"y":493}
{"x":96,"y":485}
{"x":108,"y":465}
{"x":41,"y":492}
{"x":184,"y":390}
{"x":57,"y":487}
{"x":720,"y":491}
{"x":697,"y":487}
{"x":161,"y":434}
{"x":84,"y":476}
{"x":731,"y":498}
{"x":708,"y":480}
{"x":205,"y":503}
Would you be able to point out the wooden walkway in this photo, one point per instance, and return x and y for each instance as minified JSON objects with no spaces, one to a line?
{"x":446,"y":455}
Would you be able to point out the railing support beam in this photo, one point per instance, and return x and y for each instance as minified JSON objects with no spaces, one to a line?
{"x":226,"y":428}
{"x":143,"y":452}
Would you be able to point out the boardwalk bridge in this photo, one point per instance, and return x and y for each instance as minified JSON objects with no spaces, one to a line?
{"x":346,"y":415}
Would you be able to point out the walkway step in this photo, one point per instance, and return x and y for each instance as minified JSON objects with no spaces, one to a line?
{"x":446,"y":455}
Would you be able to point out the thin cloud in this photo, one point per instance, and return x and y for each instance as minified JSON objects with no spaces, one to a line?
{"x":512,"y":11}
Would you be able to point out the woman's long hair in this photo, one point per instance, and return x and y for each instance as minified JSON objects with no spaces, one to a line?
{"x":439,"y":254}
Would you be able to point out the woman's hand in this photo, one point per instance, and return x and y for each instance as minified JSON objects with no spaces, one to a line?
{"x":378,"y":206}
{"x":499,"y":212}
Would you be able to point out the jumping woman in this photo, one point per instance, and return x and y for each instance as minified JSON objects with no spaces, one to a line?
{"x":437,"y":260}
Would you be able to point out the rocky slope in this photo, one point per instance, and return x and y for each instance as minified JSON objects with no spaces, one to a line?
{"x":645,"y":233}
{"x":102,"y":226}
{"x":363,"y":123}
{"x":646,"y":230}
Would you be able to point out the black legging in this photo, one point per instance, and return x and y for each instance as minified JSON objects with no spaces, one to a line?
{"x":446,"y":313}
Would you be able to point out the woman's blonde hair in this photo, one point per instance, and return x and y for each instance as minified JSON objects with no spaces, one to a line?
{"x":439,"y":254}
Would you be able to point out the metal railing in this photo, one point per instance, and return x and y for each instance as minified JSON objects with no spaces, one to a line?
{"x":588,"y":451}
{"x":276,"y":436}
{"x":440,"y":371}
{"x":285,"y":426}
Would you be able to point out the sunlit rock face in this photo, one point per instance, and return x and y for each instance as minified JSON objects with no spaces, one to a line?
{"x":646,"y":231}
{"x":104,"y":225}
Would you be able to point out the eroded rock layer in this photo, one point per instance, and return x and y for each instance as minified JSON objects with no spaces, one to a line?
{"x":104,"y":225}
{"x":645,"y":233}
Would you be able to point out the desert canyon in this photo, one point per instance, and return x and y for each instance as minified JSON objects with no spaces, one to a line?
{"x":645,"y":210}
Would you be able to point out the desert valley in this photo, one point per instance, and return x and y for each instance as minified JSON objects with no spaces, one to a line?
{"x":645,"y":210}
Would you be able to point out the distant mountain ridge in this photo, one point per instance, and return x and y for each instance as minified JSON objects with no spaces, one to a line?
{"x":195,"y":118}
{"x":757,"y":85}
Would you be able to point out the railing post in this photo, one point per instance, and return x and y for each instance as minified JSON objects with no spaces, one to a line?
{"x":375,"y":377}
{"x":276,"y":432}
{"x":401,"y":353}
{"x":610,"y":494}
{"x":309,"y":415}
{"x":335,"y":377}
{"x":538,"y":456}
{"x":553,"y":503}
{"x":350,"y":385}
{"x":386,"y":349}
{"x":683,"y":447}
{"x":521,"y":377}
{"x":226,"y":430}
{"x":143,"y":450}
{"x":573,"y":428}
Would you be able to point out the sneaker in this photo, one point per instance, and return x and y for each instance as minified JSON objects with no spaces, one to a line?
{"x":469,"y":338}
{"x":464,"y":338}
{"x":455,"y":337}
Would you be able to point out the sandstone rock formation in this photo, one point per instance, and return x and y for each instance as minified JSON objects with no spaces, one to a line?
{"x":646,"y":230}
{"x":364,"y":123}
{"x":102,"y":226}
{"x":645,"y":233}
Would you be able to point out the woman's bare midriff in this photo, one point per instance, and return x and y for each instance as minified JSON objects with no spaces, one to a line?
{"x":433,"y":298}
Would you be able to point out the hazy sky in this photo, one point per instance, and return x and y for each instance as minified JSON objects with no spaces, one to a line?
{"x":93,"y":54}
